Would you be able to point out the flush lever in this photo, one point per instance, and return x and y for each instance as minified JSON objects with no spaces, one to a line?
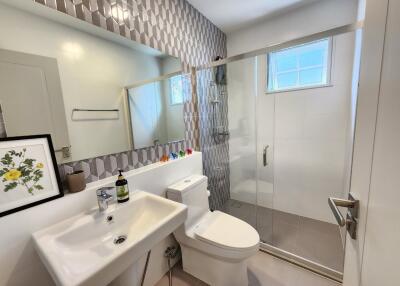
{"x":265,"y":150}
{"x":351,"y":219}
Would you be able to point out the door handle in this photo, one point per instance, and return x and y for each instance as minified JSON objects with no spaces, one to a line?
{"x":265,"y":150}
{"x":352,"y":214}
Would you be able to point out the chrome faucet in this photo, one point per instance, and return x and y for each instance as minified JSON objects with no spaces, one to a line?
{"x":103,"y":198}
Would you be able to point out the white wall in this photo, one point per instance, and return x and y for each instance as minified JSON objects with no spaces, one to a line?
{"x":306,"y":20}
{"x":93,"y":72}
{"x":19,"y":263}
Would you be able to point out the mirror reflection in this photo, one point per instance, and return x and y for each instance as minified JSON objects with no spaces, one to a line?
{"x":95,"y":93}
{"x":156,"y":111}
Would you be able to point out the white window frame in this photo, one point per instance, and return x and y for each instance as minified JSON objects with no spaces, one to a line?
{"x":311,"y":86}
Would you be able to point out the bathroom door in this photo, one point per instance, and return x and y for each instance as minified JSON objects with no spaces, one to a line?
{"x":372,"y":259}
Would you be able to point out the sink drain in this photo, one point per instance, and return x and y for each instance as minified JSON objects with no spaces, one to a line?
{"x":120,"y":239}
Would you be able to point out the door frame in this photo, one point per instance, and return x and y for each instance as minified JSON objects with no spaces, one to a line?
{"x":373,"y":38}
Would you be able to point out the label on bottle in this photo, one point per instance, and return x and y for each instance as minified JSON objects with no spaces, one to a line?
{"x":122,"y":193}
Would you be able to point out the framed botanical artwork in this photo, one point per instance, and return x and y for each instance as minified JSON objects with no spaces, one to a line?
{"x":28,"y":173}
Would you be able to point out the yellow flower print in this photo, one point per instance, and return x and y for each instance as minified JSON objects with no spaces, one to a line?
{"x":39,"y":165}
{"x":12,"y":175}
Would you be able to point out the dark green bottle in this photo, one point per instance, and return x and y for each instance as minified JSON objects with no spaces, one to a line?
{"x":122,"y":188}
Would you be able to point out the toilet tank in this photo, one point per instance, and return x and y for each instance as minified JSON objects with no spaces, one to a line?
{"x":191,"y":191}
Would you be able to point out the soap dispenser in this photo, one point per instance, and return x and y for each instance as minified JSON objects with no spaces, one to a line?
{"x":122,"y":188}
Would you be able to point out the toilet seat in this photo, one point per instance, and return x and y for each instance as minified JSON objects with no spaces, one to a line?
{"x":227,"y":232}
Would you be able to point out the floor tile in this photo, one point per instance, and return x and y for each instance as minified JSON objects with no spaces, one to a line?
{"x":282,"y":217}
{"x":314,"y":240}
{"x":263,"y":270}
{"x":308,"y":224}
{"x":241,"y":210}
{"x":180,"y":278}
{"x":266,"y":270}
{"x":321,"y":248}
{"x":285,"y":236}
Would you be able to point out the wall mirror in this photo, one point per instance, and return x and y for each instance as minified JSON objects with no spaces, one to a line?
{"x":95,"y":92}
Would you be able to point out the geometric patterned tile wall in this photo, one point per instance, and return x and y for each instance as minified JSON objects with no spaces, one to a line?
{"x":108,"y":165}
{"x":171,"y":26}
{"x":213,"y":115}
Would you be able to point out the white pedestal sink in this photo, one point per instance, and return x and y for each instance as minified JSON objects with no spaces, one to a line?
{"x":94,"y":248}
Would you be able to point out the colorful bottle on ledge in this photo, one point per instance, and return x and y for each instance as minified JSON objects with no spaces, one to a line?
{"x":122,"y":188}
{"x":164,"y":158}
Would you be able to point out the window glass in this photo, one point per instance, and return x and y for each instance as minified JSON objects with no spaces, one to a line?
{"x":311,"y":76}
{"x":176,"y":90}
{"x":299,"y":67}
{"x":286,"y":62}
{"x":287,"y":79}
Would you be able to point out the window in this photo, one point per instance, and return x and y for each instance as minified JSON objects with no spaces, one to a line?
{"x":176,"y":90}
{"x":299,"y":67}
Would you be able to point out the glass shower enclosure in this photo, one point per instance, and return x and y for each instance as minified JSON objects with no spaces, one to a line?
{"x":276,"y":132}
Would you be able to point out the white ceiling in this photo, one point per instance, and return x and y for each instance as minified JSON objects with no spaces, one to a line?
{"x":230,"y":15}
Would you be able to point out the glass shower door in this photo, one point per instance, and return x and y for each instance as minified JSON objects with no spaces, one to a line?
{"x":274,"y":157}
{"x":307,"y":134}
{"x":227,"y":105}
{"x":241,"y":102}
{"x":264,"y":118}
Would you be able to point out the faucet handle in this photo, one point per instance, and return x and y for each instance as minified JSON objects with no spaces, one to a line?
{"x":102,"y":192}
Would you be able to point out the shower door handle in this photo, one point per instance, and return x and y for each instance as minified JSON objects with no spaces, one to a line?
{"x":265,"y":153}
{"x":351,"y":219}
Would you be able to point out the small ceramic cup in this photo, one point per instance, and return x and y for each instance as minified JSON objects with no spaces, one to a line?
{"x":76,"y":181}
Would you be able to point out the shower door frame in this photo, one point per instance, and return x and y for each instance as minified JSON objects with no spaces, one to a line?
{"x":265,"y":247}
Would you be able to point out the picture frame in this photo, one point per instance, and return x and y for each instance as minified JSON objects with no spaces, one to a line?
{"x":28,"y":173}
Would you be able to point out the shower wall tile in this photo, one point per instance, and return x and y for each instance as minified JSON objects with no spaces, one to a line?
{"x":215,"y":147}
{"x":105,"y":166}
{"x":171,"y":26}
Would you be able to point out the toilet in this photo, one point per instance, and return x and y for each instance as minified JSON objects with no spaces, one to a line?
{"x":215,"y":246}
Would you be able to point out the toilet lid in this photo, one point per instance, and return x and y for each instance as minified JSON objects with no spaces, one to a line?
{"x":226,"y":231}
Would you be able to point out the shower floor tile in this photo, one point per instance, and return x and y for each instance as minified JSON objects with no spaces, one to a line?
{"x":311,"y":239}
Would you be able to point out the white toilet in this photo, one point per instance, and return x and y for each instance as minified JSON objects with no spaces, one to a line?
{"x":215,"y":246}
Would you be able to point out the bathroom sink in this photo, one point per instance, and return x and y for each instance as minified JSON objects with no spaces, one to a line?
{"x":94,"y":248}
